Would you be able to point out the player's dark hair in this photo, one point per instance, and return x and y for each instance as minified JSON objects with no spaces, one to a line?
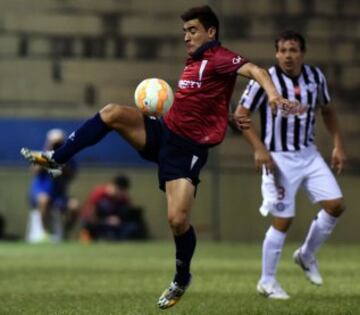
{"x":291,"y":35}
{"x":205,"y":15}
{"x":122,"y":181}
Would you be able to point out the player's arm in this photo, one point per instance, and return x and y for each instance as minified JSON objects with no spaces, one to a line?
{"x":252,"y":71}
{"x":338,"y":157}
{"x":261,"y":154}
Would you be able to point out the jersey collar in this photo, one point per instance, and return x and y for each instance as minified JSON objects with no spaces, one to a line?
{"x":200,"y":51}
{"x":290,"y":77}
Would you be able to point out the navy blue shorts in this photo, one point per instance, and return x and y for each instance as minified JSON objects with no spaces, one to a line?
{"x":177,"y":157}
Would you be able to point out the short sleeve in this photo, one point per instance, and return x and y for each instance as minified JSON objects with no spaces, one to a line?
{"x":227,"y":62}
{"x":253,"y":96}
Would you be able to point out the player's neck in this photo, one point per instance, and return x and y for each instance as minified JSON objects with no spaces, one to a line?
{"x":292,"y":73}
{"x":199,"y":52}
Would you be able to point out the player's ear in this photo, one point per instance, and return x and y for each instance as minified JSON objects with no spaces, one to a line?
{"x":277,"y":55}
{"x":212,"y":32}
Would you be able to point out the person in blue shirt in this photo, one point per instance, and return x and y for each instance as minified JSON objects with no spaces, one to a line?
{"x":53,"y":211}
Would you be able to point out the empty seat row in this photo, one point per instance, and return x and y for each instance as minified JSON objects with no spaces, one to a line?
{"x":170,"y":27}
{"x":103,"y":6}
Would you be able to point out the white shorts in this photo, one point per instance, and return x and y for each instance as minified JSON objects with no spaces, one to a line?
{"x":305,"y":168}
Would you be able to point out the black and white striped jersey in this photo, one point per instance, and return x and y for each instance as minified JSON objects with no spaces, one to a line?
{"x":290,"y":133}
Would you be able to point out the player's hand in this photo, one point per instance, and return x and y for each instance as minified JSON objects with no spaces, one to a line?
{"x":338,"y":159}
{"x":263,"y":158}
{"x":242,"y":121}
{"x":286,"y":107}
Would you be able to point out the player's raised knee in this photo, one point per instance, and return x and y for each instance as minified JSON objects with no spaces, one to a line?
{"x":112,"y":113}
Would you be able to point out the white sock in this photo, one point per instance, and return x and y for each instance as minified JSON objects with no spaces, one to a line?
{"x":271,"y":252}
{"x":35,"y":231}
{"x":320,"y":229}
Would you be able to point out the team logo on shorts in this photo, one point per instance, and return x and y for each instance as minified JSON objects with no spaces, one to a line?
{"x":280,"y":206}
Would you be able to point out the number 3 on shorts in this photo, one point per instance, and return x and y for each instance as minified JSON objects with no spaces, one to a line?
{"x":280,"y":192}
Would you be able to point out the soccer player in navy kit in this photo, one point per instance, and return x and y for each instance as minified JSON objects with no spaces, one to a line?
{"x":179,"y":142}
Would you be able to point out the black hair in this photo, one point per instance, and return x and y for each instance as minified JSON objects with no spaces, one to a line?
{"x":122,"y":181}
{"x":291,"y":35}
{"x":205,"y":15}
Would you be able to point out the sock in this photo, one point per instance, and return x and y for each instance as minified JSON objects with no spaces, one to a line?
{"x":320,"y":229}
{"x":185,"y":247}
{"x":90,"y":133}
{"x":271,"y":253}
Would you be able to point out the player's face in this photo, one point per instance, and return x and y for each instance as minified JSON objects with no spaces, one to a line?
{"x":290,"y":57}
{"x":195,"y":35}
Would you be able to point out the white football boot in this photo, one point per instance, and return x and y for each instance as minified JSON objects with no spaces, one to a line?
{"x":272,"y":290}
{"x":310,"y":268}
{"x":43,"y":159}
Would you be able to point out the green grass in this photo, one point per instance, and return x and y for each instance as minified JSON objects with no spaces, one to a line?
{"x":127,"y":278}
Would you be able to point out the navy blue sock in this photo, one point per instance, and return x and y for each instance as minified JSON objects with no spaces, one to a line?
{"x":89,"y":133}
{"x":185,"y":247}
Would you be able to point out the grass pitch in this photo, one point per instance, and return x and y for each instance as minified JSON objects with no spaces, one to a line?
{"x":127,"y":278}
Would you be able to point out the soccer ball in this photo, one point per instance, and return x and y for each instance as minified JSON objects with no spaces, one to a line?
{"x":153,"y":97}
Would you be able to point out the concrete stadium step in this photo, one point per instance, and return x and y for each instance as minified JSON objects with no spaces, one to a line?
{"x":9,"y":45}
{"x":164,"y":7}
{"x":22,"y":70}
{"x":150,"y":26}
{"x":253,"y":8}
{"x":121,"y":72}
{"x":53,"y":24}
{"x":37,"y":91}
{"x":350,"y":77}
{"x":103,"y":6}
{"x":45,"y":110}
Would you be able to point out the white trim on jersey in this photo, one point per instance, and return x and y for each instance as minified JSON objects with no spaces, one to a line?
{"x":290,"y":133}
{"x":202,"y":68}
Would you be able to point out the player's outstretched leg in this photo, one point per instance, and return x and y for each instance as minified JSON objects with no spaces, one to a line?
{"x":89,"y":133}
{"x":43,"y":159}
{"x":172,"y":294}
{"x":310,"y":267}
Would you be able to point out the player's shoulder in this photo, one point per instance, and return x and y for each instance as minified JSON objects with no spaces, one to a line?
{"x":221,"y":51}
{"x":271,"y":70}
{"x":224,"y":56}
{"x":314,"y":71}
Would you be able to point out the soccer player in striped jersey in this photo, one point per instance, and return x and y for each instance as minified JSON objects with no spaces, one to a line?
{"x":179,"y":141}
{"x":289,"y":159}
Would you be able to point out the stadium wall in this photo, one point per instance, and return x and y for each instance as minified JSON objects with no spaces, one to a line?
{"x":235,"y":218}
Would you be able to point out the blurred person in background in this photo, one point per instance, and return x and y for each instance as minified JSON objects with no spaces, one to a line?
{"x":53,"y":212}
{"x":178,"y":142}
{"x":109,"y":214}
{"x":289,"y":160}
